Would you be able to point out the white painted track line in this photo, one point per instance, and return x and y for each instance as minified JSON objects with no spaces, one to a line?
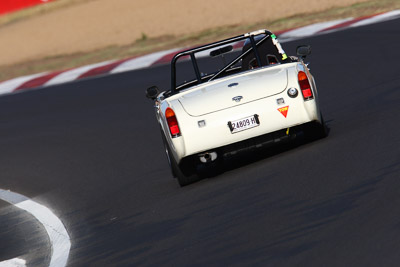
{"x":13,"y":263}
{"x":58,"y":235}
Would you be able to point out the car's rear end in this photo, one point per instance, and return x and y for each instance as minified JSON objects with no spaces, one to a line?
{"x":215,"y":115}
{"x":232,"y":95}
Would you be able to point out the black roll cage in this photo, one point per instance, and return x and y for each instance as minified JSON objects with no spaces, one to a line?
{"x":191,"y":52}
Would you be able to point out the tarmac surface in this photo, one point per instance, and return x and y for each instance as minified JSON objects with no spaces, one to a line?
{"x":91,"y":151}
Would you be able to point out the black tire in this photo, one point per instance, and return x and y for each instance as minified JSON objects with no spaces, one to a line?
{"x":168,"y":155}
{"x":317,"y":130}
{"x":185,"y":171}
{"x":322,"y":130}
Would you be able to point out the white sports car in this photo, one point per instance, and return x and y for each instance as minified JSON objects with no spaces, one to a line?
{"x":234,"y":95}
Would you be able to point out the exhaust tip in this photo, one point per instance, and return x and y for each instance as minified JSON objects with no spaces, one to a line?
{"x":208,"y":157}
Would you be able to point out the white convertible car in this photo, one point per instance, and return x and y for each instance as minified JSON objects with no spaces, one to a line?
{"x":235,"y":95}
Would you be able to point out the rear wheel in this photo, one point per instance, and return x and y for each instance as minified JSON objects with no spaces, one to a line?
{"x":317,"y":130}
{"x":322,"y":130}
{"x":185,"y":171}
{"x":168,"y":154}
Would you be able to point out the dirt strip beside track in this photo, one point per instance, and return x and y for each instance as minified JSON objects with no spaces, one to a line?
{"x":96,"y":24}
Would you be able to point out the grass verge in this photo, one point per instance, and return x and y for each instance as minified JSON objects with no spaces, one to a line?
{"x":147,"y":45}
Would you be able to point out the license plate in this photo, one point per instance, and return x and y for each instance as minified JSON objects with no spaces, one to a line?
{"x":243,"y":124}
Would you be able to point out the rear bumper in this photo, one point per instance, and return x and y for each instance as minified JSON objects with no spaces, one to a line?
{"x":255,"y":144}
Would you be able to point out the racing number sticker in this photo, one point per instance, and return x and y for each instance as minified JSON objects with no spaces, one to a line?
{"x":284,"y":111}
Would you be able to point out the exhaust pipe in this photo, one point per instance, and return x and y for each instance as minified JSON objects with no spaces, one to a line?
{"x":208,"y":157}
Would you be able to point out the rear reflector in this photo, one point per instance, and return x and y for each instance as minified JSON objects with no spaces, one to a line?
{"x":305,"y":85}
{"x":172,"y":122}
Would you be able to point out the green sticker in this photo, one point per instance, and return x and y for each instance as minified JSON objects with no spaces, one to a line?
{"x":284,"y":56}
{"x":273,"y":36}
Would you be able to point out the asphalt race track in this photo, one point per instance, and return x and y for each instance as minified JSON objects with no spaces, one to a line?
{"x":91,"y":152}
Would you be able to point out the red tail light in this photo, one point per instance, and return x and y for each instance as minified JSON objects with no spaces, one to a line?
{"x":172,"y":122}
{"x":305,"y":85}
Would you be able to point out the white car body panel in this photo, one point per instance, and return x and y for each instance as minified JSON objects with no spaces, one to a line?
{"x":252,"y":85}
{"x":212,"y":102}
